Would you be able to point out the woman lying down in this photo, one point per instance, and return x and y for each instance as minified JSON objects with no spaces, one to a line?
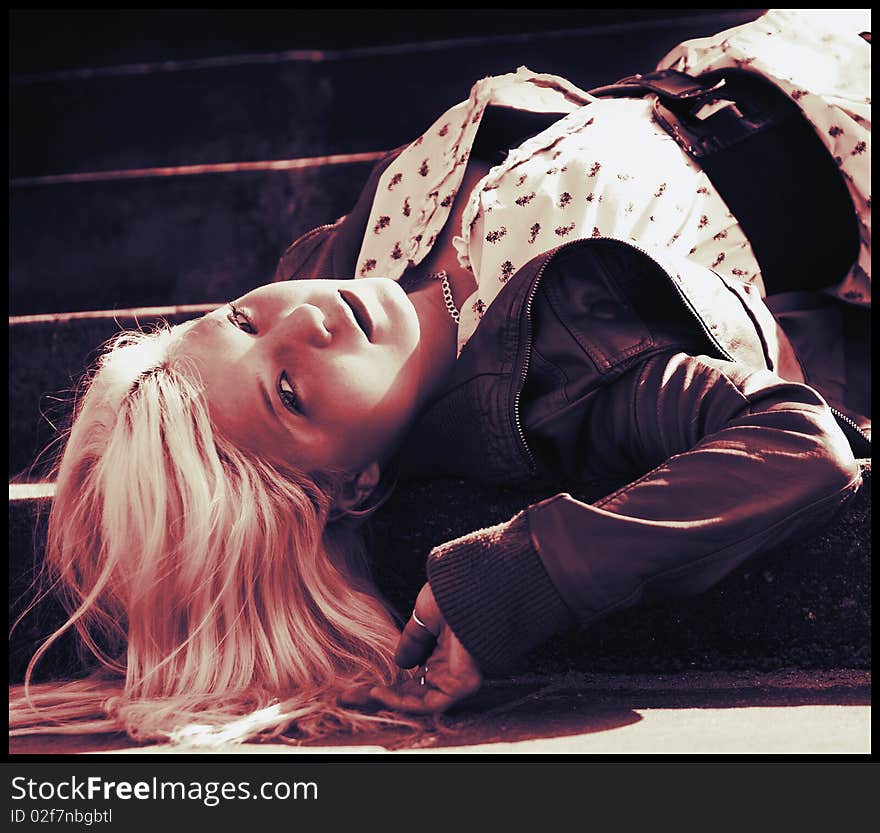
{"x":546,"y":285}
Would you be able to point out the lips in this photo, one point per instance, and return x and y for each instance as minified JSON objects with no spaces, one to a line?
{"x":359,"y":311}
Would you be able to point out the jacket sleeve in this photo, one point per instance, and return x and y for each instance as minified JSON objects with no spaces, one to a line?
{"x":737,"y":461}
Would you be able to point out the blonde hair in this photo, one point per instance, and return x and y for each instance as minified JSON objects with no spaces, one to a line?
{"x":219,"y":602}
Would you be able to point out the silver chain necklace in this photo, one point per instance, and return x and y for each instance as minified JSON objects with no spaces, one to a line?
{"x":443,"y":277}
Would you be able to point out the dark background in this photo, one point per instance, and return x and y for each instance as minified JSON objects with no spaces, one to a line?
{"x":51,"y":40}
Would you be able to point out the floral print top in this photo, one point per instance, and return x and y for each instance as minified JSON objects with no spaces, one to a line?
{"x":605,"y":168}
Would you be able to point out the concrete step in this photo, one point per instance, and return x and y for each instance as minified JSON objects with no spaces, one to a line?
{"x":309,"y":102}
{"x":807,"y":605}
{"x":165,"y":239}
{"x":84,"y":238}
{"x":100,"y":220}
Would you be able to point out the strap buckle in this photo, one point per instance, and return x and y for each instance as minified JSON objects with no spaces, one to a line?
{"x":709,"y":113}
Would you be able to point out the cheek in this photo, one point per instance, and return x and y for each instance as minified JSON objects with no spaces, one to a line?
{"x":365,"y":383}
{"x":341,"y":403}
{"x":374,"y":396}
{"x":352,"y":386}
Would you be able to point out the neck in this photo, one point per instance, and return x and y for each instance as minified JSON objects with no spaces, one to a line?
{"x":439,"y":333}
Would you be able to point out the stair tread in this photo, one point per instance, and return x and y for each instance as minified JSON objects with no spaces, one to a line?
{"x":299,"y":108}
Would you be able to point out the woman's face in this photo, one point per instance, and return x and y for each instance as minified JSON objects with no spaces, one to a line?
{"x":322,"y":374}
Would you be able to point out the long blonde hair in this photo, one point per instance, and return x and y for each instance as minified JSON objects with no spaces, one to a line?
{"x":219,"y":602}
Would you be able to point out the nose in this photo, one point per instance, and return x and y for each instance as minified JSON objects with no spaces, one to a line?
{"x":306,"y":323}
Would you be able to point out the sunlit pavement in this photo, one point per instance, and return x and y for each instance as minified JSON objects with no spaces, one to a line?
{"x":800,"y":730}
{"x":742,"y":713}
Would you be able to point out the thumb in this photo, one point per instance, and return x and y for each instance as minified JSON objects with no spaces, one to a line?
{"x":415,"y":645}
{"x":420,"y":636}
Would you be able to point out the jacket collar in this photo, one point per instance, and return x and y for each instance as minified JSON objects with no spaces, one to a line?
{"x":472,"y":429}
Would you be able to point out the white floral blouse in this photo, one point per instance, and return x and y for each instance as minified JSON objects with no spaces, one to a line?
{"x":604,"y":169}
{"x":819,"y":58}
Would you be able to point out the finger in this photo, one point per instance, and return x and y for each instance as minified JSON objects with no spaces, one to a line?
{"x":434,"y":691}
{"x":419,"y":701}
{"x":363,"y":695}
{"x":427,"y":610}
{"x":415,"y":645}
{"x":440,"y":701}
{"x":398,"y":699}
{"x":358,"y":696}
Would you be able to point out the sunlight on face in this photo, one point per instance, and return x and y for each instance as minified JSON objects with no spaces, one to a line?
{"x":322,"y":374}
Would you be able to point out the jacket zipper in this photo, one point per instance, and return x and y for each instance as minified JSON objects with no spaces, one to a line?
{"x":707,"y":332}
{"x":851,"y":424}
{"x":524,"y":372}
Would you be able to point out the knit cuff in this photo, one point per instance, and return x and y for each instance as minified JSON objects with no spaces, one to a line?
{"x":495,"y":594}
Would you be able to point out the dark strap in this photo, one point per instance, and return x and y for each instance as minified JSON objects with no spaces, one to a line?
{"x":768,"y":164}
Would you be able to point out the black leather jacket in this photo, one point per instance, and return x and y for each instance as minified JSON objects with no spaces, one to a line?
{"x":599,"y":363}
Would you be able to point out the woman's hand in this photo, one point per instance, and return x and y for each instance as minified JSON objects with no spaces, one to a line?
{"x":449,"y":673}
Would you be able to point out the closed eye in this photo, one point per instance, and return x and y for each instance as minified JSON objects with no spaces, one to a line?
{"x":240,"y":320}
